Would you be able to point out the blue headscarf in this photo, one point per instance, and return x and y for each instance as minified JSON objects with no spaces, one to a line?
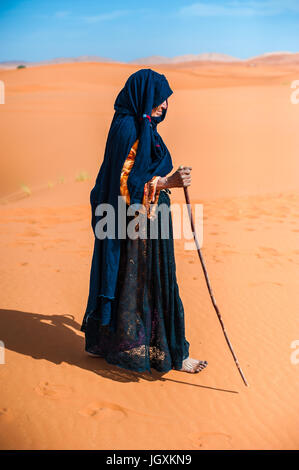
{"x":143,"y":91}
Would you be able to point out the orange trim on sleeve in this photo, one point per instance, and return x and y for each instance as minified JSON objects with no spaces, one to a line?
{"x":127,"y":166}
{"x":150,"y":195}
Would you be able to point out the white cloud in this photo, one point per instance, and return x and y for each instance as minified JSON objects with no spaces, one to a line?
{"x":240,"y":8}
{"x":105,"y":16}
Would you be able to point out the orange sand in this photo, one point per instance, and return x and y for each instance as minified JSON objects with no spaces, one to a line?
{"x":235,"y":125}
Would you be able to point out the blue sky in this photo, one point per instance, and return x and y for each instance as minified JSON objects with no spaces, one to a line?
{"x":125,"y":30}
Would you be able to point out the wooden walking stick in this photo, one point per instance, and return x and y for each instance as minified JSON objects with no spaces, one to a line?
{"x":208,"y":283}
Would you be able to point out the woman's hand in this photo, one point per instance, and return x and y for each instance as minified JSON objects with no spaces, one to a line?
{"x":179,"y":179}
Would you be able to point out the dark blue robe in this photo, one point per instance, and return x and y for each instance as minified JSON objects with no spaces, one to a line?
{"x":134,"y":316}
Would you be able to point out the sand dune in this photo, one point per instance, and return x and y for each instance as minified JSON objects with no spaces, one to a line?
{"x":56,"y":118}
{"x":276,"y":58}
{"x":237,"y":128}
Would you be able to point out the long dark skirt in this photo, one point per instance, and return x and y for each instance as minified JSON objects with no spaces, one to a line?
{"x":147,"y":314}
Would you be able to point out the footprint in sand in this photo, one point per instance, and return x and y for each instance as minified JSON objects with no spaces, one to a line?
{"x":47,"y":247}
{"x":53,"y":391}
{"x":211,"y":440}
{"x":269,"y":251}
{"x":30,"y":233}
{"x":105,"y":411}
{"x":5,"y":414}
{"x":23,"y":242}
{"x":266,"y":282}
{"x":217,"y":260}
{"x":230,"y":251}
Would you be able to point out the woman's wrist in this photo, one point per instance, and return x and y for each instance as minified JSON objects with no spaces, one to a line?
{"x":164,"y":182}
{"x":161,"y":183}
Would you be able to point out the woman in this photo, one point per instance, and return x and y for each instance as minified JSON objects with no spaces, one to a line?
{"x":134,"y":316}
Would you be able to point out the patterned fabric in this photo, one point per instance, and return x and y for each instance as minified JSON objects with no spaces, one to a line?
{"x":150,"y":194}
{"x":147,"y":327}
{"x":147,"y":313}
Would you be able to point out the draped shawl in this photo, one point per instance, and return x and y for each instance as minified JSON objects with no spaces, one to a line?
{"x":143,"y":91}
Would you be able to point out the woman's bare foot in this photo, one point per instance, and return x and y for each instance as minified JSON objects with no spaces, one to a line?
{"x":193,"y":365}
{"x":92,"y":354}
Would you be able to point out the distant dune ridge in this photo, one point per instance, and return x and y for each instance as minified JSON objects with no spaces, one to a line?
{"x":58,"y":60}
{"x":212,"y":56}
{"x":272,"y":58}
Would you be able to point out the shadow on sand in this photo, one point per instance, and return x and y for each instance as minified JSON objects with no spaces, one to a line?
{"x":55,"y":339}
